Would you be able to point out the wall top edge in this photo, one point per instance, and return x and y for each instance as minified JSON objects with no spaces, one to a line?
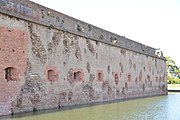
{"x":32,"y":12}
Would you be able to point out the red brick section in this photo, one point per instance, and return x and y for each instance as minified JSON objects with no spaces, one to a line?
{"x":51,"y":73}
{"x":78,"y":75}
{"x":13,"y":61}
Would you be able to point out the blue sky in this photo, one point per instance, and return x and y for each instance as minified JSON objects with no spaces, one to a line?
{"x":155,"y":23}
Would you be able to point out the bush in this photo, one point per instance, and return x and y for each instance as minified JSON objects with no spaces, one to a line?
{"x":173,"y":80}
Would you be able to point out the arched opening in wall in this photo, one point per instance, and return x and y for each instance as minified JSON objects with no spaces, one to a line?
{"x":149,"y":78}
{"x":151,"y":83}
{"x":143,"y":87}
{"x":140,"y":76}
{"x":156,"y":78}
{"x":126,"y":85}
{"x":10,"y":74}
{"x":160,"y":79}
{"x":52,"y":75}
{"x":78,"y":76}
{"x":145,"y":81}
{"x":136,"y":80}
{"x":96,"y":55}
{"x":108,"y":69}
{"x":129,"y":77}
{"x":116,"y":79}
{"x":100,"y":77}
{"x":163,"y":79}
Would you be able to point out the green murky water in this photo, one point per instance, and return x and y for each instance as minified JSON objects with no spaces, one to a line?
{"x":155,"y":108}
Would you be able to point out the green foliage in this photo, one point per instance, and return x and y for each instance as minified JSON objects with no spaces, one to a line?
{"x":173,"y":80}
{"x":173,"y":71}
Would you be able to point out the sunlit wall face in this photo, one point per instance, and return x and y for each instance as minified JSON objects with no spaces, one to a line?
{"x":154,"y":23}
{"x":50,"y":60}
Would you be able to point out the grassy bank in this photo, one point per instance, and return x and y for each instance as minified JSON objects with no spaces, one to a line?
{"x":173,"y":86}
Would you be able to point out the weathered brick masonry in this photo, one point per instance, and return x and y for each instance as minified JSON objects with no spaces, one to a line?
{"x":49,"y":60}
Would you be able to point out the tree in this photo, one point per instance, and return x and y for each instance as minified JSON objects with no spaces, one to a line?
{"x":172,"y":69}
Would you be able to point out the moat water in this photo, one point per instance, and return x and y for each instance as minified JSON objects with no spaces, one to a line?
{"x":154,"y":108}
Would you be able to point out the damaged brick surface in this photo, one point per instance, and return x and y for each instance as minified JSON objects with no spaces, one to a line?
{"x":37,"y":46}
{"x":55,"y":41}
{"x":49,"y":60}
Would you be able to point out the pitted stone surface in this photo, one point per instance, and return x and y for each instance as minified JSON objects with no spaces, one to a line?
{"x":50,"y":60}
